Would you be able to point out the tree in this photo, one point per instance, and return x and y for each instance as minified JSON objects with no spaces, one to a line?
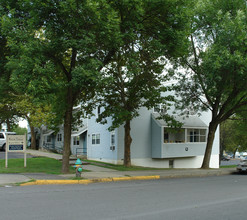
{"x":215,"y":77}
{"x":59,"y":47}
{"x":133,"y":77}
{"x":20,"y":131}
{"x":8,"y":114}
{"x":233,"y":133}
{"x":37,"y":114}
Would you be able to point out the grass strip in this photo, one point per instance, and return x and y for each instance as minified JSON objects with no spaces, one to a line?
{"x":34,"y":165}
{"x":122,"y":167}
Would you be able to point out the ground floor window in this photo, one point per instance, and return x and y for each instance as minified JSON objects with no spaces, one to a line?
{"x":76,"y":140}
{"x":59,"y":137}
{"x":113,"y":138}
{"x":95,"y":138}
{"x":48,"y":139}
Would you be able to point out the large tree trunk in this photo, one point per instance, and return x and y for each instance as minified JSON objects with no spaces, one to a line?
{"x":33,"y":138}
{"x":127,"y":144}
{"x":67,"y":132}
{"x":8,"y":125}
{"x":211,"y":133}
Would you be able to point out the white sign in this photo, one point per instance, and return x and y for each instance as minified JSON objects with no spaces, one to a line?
{"x":15,"y":143}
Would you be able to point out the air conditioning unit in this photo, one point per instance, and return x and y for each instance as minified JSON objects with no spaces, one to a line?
{"x":112,"y":148}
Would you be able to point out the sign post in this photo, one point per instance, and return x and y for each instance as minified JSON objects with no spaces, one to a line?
{"x":15,"y":143}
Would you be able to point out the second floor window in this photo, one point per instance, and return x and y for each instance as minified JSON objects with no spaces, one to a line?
{"x":160,"y":108}
{"x":196,"y":135}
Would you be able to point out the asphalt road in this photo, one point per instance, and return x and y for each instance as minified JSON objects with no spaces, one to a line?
{"x":222,"y":197}
{"x":13,"y":155}
{"x":230,"y":162}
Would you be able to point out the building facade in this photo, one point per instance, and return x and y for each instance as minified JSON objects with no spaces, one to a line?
{"x":154,"y":144}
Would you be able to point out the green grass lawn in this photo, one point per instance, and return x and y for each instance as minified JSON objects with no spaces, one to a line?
{"x":228,"y":166}
{"x":34,"y":165}
{"x":133,"y":168}
{"x":121,"y":167}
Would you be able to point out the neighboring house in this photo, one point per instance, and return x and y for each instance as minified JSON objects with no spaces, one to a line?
{"x":50,"y":140}
{"x":153,"y":144}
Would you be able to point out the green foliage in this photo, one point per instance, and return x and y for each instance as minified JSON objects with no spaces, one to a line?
{"x":148,"y":30}
{"x":233,"y":134}
{"x":215,"y":69}
{"x":216,"y":66}
{"x":57,"y":51}
{"x":20,"y":131}
{"x":63,"y":46}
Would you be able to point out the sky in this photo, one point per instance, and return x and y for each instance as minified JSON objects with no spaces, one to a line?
{"x":23,"y":123}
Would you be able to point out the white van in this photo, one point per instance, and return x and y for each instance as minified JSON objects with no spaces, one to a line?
{"x":3,"y":139}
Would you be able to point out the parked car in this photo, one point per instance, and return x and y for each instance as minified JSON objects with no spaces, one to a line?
{"x":225,"y":158}
{"x":242,"y":166}
{"x":3,"y":139}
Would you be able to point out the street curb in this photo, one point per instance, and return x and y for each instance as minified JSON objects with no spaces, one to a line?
{"x":88,"y":181}
{"x":205,"y":174}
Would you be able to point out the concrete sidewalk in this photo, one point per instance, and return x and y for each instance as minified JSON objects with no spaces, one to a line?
{"x":101,"y":174}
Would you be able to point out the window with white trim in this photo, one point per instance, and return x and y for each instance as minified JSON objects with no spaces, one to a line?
{"x":113,"y":138}
{"x":178,"y":135}
{"x":95,"y":139}
{"x":98,"y":111}
{"x":196,"y":135}
{"x":159,"y":108}
{"x":76,"y":140}
{"x":59,"y":137}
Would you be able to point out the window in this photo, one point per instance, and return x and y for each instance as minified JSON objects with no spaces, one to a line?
{"x":171,"y":163}
{"x":166,"y":136}
{"x":59,"y":137}
{"x":98,"y":111}
{"x":95,"y":138}
{"x":113,"y":138}
{"x":157,"y":109}
{"x":177,"y":136}
{"x":196,"y":135}
{"x":160,"y":109}
{"x":76,"y":140}
{"x":48,"y":139}
{"x":1,"y":136}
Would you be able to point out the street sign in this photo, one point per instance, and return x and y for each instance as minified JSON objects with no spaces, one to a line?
{"x":15,"y":143}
